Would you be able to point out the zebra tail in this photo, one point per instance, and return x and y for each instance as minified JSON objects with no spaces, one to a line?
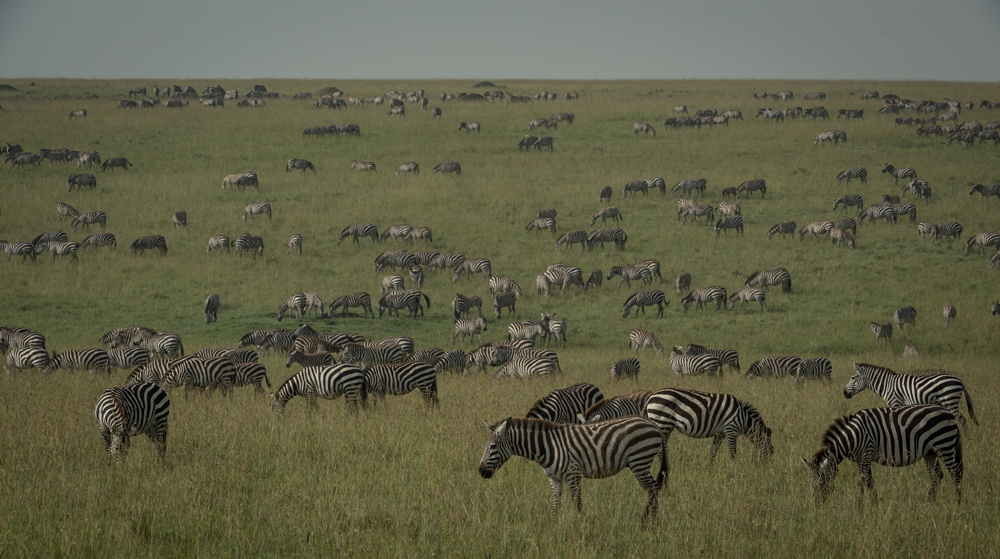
{"x":968,"y":402}
{"x":180,"y":346}
{"x":267,"y":380}
{"x":661,"y":477}
{"x":428,"y":299}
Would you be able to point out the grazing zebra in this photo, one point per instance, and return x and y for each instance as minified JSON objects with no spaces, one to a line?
{"x":58,"y":249}
{"x":26,"y":358}
{"x":986,"y":190}
{"x":573,"y":237}
{"x":207,"y":374}
{"x":847,"y":200}
{"x":950,"y":230}
{"x":396,"y":231}
{"x":684,"y":365}
{"x":766,"y":278}
{"x":24,"y":250}
{"x":328,"y":382}
{"x":904,"y":315}
{"x":80,"y":113}
{"x":596,"y":278}
{"x":729,"y":209}
{"x":127,"y":357}
{"x":396,"y":258}
{"x":983,"y":240}
{"x":116,"y":162}
{"x":294,"y":242}
{"x":527,"y":142}
{"x":746,"y":295}
{"x":643,"y":299}
{"x":365,"y":355}
{"x":473,"y":327}
{"x":702,"y":296}
{"x":442,"y":261}
{"x":462,"y":304}
{"x":726,"y":356}
{"x":688,"y":185}
{"x":536,"y":123}
{"x":450,"y":167}
{"x":884,"y":211}
{"x":625,"y":368}
{"x":840,"y":236}
{"x":882,"y":332}
{"x":644,"y":128}
{"x":424,"y":233}
{"x":752,"y":186}
{"x":778,"y":116}
{"x":901,"y":173}
{"x":149,"y":243}
{"x":473,"y":266}
{"x":307,"y":343}
{"x":543,"y":141}
{"x":892,"y":437}
{"x":928,"y":229}
{"x":683,"y":282}
{"x":905,"y":209}
{"x":824,"y":137}
{"x":506,"y":300}
{"x":212,"y":305}
{"x":606,"y":194}
{"x":247,"y":242}
{"x":641,"y":338}
{"x":366,"y":166}
{"x":469,"y":126}
{"x":90,"y":217}
{"x":729,"y":222}
{"x":557,"y":327}
{"x":632,"y":403}
{"x":417,"y":276}
{"x":907,"y":390}
{"x":566,"y":405}
{"x":774,"y":367}
{"x":701,"y":415}
{"x":568,"y":453}
{"x":636,"y":186}
{"x":88,"y":158}
{"x":540,"y":223}
{"x":359,"y":230}
{"x":256,"y":208}
{"x":949,"y":314}
{"x":80,"y":180}
{"x":180,"y":219}
{"x":604,"y":214}
{"x":140,"y":409}
{"x":91,"y":360}
{"x":295,"y":303}
{"x":529,"y":329}
{"x":22,"y":159}
{"x":629,"y":273}
{"x":500,"y":284}
{"x":616,"y":235}
{"x":399,"y":379}
{"x":821,"y":227}
{"x":409,"y":167}
{"x":301,"y":164}
{"x":658,"y":182}
{"x":818,"y":368}
{"x":252,"y":373}
{"x":408,"y":299}
{"x":318,"y":359}
{"x":430,"y":355}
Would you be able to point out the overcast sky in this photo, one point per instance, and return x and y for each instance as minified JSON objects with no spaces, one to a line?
{"x":497,"y":39}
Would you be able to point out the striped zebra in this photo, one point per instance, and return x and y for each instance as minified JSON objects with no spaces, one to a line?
{"x":949,"y":315}
{"x":616,"y":235}
{"x":701,"y":415}
{"x":746,"y":295}
{"x":702,"y":296}
{"x":399,"y":379}
{"x":417,"y":276}
{"x":687,"y":365}
{"x":839,"y":236}
{"x":986,"y":190}
{"x":882,"y":332}
{"x":557,"y":328}
{"x":527,"y":142}
{"x":80,"y":180}
{"x":472,"y":266}
{"x":818,"y":368}
{"x":566,"y":405}
{"x":900,"y":173}
{"x":450,"y":167}
{"x":473,"y":327}
{"x":542,"y":223}
{"x":240,"y":356}
{"x":643,"y":299}
{"x":296,"y":303}
{"x":26,"y":358}
{"x":329,"y":383}
{"x":442,"y":261}
{"x":359,"y":230}
{"x":596,"y":279}
{"x":366,"y":166}
{"x":206,"y":374}
{"x":127,"y":357}
{"x":769,"y":113}
{"x":505,"y":300}
{"x":950,"y":230}
{"x":409,"y":167}
{"x":500,"y":284}
{"x":526,"y":367}
{"x":22,"y":159}
{"x":24,"y":250}
{"x":252,"y":374}
{"x":58,"y":249}
{"x":247,"y":242}
{"x":307,"y":343}
{"x":892,"y":437}
{"x":179,"y":219}
{"x":469,"y":126}
{"x":783,"y":228}
{"x":729,"y":209}
{"x":904,"y":315}
{"x":416,"y":233}
{"x":629,"y":273}
{"x":983,"y":240}
{"x":165,"y":343}
{"x":928,"y":229}
{"x":392,"y":283}
{"x":408,"y":299}
{"x":125,"y":411}
{"x":51,"y":236}
{"x":529,"y":329}
{"x":568,"y":453}
{"x":87,"y":218}
{"x":870,"y":95}
{"x":99,"y":240}
{"x":116,"y":162}
{"x":766,"y":278}
{"x":995,"y":308}
{"x":778,"y":366}
{"x":683,"y":282}
{"x":632,"y":403}
{"x":212,"y":305}
{"x":875,"y":212}
{"x":854,"y":173}
{"x":79,"y":113}
{"x":644,"y":128}
{"x":905,"y":209}
{"x":907,"y":390}
{"x":256,"y":208}
{"x":640,"y":338}
{"x":604,"y":214}
{"x":625,"y":368}
{"x":462,"y":304}
{"x":220,"y":242}
{"x":318,"y":359}
{"x":825,"y":137}
{"x":751,"y":186}
{"x":294,"y":242}
{"x":573,"y":237}
{"x":726,"y":356}
{"x":847,"y":200}
{"x":636,"y":186}
{"x":91,"y":360}
{"x":606,"y":194}
{"x":365,"y":355}
{"x":396,"y":258}
{"x":300,"y":164}
{"x":729,"y":222}
{"x":696,"y":211}
{"x":689,"y":185}
{"x":360,"y":299}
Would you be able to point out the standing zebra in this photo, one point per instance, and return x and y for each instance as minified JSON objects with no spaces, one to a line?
{"x":256,"y":208}
{"x":81,"y":180}
{"x":220,"y":242}
{"x":408,"y":299}
{"x":566,"y":405}
{"x":26,"y":358}
{"x":615,"y":234}
{"x":643,"y":299}
{"x":729,"y":222}
{"x":900,"y":173}
{"x":783,"y":228}
{"x":701,"y":415}
{"x":450,"y":167}
{"x":392,"y":283}
{"x":873,"y":213}
{"x":907,"y":390}
{"x":127,"y":357}
{"x":180,"y":219}
{"x":91,"y":360}
{"x":252,"y":373}
{"x":641,"y":338}
{"x":882,"y":332}
{"x":765,"y":278}
{"x":506,"y":299}
{"x":80,"y":113}
{"x":702,"y":296}
{"x":854,"y":173}
{"x":212,"y":305}
{"x":542,"y":223}
{"x":949,"y":315}
{"x":683,"y":282}
{"x":247,"y":242}
{"x":542,"y":142}
{"x":779,"y":366}
{"x":469,"y":126}
{"x":116,"y":162}
{"x":359,"y":230}
{"x":848,"y":200}
{"x":605,"y":213}
{"x":89,"y":217}
{"x":473,"y":327}
{"x":752,"y":186}
{"x":99,"y":240}
{"x":625,"y":368}
{"x":726,"y":356}
{"x":825,"y":137}
{"x":892,"y":437}
{"x":294,"y":243}
{"x":986,"y":190}
{"x":301,"y":164}
{"x":328,"y":382}
{"x":22,"y":159}
{"x":606,"y":194}
{"x":366,"y":166}
{"x":472,"y":266}
{"x":568,"y":453}
{"x":416,"y":233}
{"x":366,"y":354}
{"x":500,"y":284}
{"x":644,"y":128}
{"x":462,"y":304}
{"x":704,"y":363}
{"x":746,"y":295}
{"x":573,"y":237}
{"x":399,"y":379}
{"x":904,"y":315}
{"x":983,"y":240}
{"x":632,"y":403}
{"x":409,"y":167}
{"x":818,"y":368}
{"x":636,"y":186}
{"x":24,"y":250}
{"x":295,"y":303}
{"x":629,"y":273}
{"x":140,"y":409}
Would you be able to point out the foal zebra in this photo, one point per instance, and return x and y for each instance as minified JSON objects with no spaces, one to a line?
{"x":256,"y":208}
{"x":300,"y":164}
{"x":702,"y":296}
{"x":140,"y":409}
{"x":900,"y":173}
{"x":625,"y":368}
{"x":366,"y":166}
{"x":906,"y":390}
{"x":294,"y":243}
{"x":566,"y":405}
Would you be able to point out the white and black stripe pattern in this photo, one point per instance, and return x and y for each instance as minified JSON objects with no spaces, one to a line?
{"x":252,"y":374}
{"x":500,"y":284}
{"x":92,"y":360}
{"x":59,"y":249}
{"x":366,"y":166}
{"x":392,"y":283}
{"x":397,"y":258}
{"x":540,"y":223}
{"x":240,"y":356}
{"x":417,"y":276}
{"x":220,"y":242}
{"x":365,"y":355}
{"x":825,"y":137}
{"x":407,"y":299}
{"x":470,"y":327}
{"x":359,"y":230}
{"x":629,"y":273}
{"x":848,"y":200}
{"x":441,"y":261}
{"x":632,"y":403}
{"x":636,"y":186}
{"x":24,"y":250}
{"x":904,"y":315}
{"x":116,"y":162}
{"x":526,"y":367}
{"x":927,"y":229}
{"x":950,"y":313}
{"x":26,"y":358}
{"x":893,"y":437}
{"x":328,"y":383}
{"x":983,"y":240}
{"x":21,"y":338}
{"x":23,"y":159}
{"x":398,"y":379}
{"x":604,"y":214}
{"x":207,"y":374}
{"x":615,"y":234}
{"x":606,"y":194}
{"x":294,"y":243}
{"x":249,"y":243}
{"x":100,"y":240}
{"x":881,"y":331}
{"x":729,"y":222}
{"x":308,"y":343}
{"x":627,"y":368}
{"x":697,"y":211}
{"x":473,"y":266}
{"x":778,"y":366}
{"x":766,"y":278}
{"x":212,"y":305}
{"x":702,"y":296}
{"x":566,"y":405}
{"x":122,"y":412}
{"x":643,"y":299}
{"x":300,"y":164}
{"x":644,"y":128}
{"x":80,"y":180}
{"x":726,"y":356}
{"x":875,"y":212}
{"x":166,"y":343}
{"x":543,"y":141}
{"x":126,"y":358}
{"x":822,"y":227}
{"x":296,"y":303}
{"x":256,"y":208}
{"x":416,"y":233}
{"x":656,"y":182}
{"x":396,"y":231}
{"x":952,"y":229}
{"x":906,"y":390}
{"x":640,"y":338}
{"x":573,"y":237}
{"x":462,"y":304}
{"x":505,"y":300}
{"x":318,"y":359}
{"x":687,"y":365}
{"x":746,"y":296}
{"x":526,"y":142}
{"x":816,"y":368}
{"x":409,"y":167}
{"x":853,"y":173}
{"x":90,"y":217}
{"x":905,"y":209}
{"x":557,"y":328}
{"x":900,"y":173}
{"x":450,"y":167}
{"x":751,"y":186}
{"x":569,"y":453}
{"x":453,"y":361}
{"x":986,"y":190}
{"x":528,"y":329}
{"x":360,"y":299}
{"x":783,"y":228}
{"x":65,"y":210}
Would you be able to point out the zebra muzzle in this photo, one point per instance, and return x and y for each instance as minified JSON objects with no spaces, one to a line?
{"x":483,"y":471}
{"x":847,"y":394}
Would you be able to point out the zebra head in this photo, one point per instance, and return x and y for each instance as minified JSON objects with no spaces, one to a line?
{"x":996,"y":307}
{"x":498,"y":448}
{"x":759,"y":434}
{"x":822,"y":472}
{"x":686,"y":302}
{"x":858,"y":382}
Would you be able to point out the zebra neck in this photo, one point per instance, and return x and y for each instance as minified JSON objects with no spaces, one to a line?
{"x":534,"y":441}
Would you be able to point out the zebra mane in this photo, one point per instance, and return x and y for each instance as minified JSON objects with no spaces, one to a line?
{"x":754,"y":415}
{"x":533,"y":424}
{"x":838,"y":426}
{"x":875,"y":367}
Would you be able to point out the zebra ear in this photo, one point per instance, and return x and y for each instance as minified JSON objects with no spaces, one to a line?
{"x":807,"y":463}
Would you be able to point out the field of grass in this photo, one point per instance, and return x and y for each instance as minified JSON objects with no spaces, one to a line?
{"x":403,"y":481}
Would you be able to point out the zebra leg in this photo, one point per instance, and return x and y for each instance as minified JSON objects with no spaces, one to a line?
{"x":716,"y":443}
{"x":556,"y":488}
{"x":650,"y":487}
{"x":573,"y":479}
{"x":865,"y":480}
{"x":664,"y":475}
{"x":934,"y":470}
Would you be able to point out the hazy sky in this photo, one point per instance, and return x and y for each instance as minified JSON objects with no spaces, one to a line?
{"x":497,"y":39}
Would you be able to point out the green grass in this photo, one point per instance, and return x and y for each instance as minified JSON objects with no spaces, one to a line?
{"x":402,"y":481}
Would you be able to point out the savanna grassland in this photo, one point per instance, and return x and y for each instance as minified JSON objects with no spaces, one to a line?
{"x":401,"y":480}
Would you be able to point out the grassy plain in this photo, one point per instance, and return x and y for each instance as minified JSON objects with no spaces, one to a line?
{"x":402,"y":481}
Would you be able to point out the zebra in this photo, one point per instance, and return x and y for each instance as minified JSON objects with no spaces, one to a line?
{"x":295,"y":303}
{"x":684,"y":365}
{"x":472,"y":266}
{"x":294,"y":242}
{"x":366,"y":355}
{"x":307,"y":343}
{"x":995,"y":308}
{"x":527,"y":142}
{"x":542,"y":223}
{"x":450,"y":167}
{"x":566,"y":405}
{"x":568,"y":453}
{"x":904,"y":315}
{"x":399,"y":379}
{"x":125,"y":411}
{"x":950,"y":230}
{"x":986,"y":190}
{"x":928,"y":229}
{"x":462,"y":304}
{"x":58,"y":249}
{"x":840,"y":236}
{"x":729,"y":222}
{"x":905,"y":209}
{"x":505,"y":300}
{"x":893,"y":437}
{"x":907,"y":390}
{"x":26,"y":358}
{"x":625,"y":368}
{"x":596,"y":278}
{"x":318,"y":359}
{"x":247,"y":179}
{"x":949,"y":314}
{"x":746,"y":295}
{"x":166,"y":343}
{"x":301,"y":164}
{"x":752,"y":186}
{"x":127,"y":357}
{"x":658,"y":182}
{"x":391,"y":283}
{"x":983,"y":240}
{"x":543,"y":141}
{"x":729,"y":209}
{"x":688,"y":185}
{"x":700,"y":415}
{"x":636,"y":186}
{"x":256,"y":208}
{"x":240,"y":356}
{"x":116,"y":162}
{"x":396,"y":258}
{"x":91,"y":360}
{"x":20,"y":338}
{"x":644,"y":128}
{"x":24,"y":250}
{"x":442,"y":261}
{"x":573,"y":237}
{"x":212,"y":305}
{"x":900,"y":173}
{"x":409,"y":167}
{"x":606,"y":194}
{"x":252,"y":373}
{"x":616,"y":234}
{"x":88,"y":158}
{"x":138,"y":91}
{"x":56,"y":236}
{"x":537,"y":123}
{"x":328,"y":382}
{"x":819,"y":368}
{"x":408,"y":299}
{"x":766,"y":278}
{"x":726,"y":356}
{"x":640,"y":338}
{"x":870,"y":95}
{"x":22,"y":159}
{"x":778,"y":366}
{"x":424,"y":233}
{"x":79,"y":113}
{"x":632,"y":403}
{"x":683,"y":282}
{"x":180,"y":219}
{"x":429,"y":355}
{"x":500,"y":284}
{"x":80,"y":180}
{"x":207,"y":374}
{"x":820,"y":227}
{"x":882,"y":332}
{"x":824,"y":137}
{"x":884,"y":211}
{"x":702,"y":296}
{"x":557,"y":328}
{"x":629,"y":273}
{"x":89,"y":217}
{"x":366,"y":166}
{"x":768,"y":114}
{"x":359,"y":230}
{"x":417,"y":276}
{"x":469,"y":126}
{"x":529,"y":329}
{"x":643,"y":299}
{"x":852,"y":113}
{"x":526,"y":367}
{"x":247,"y":242}
{"x":847,"y":200}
